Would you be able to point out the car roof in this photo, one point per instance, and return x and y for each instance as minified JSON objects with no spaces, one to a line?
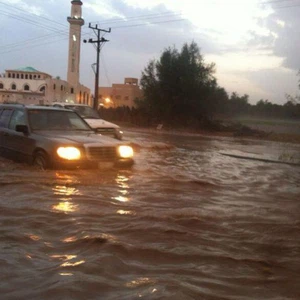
{"x":31,"y":106}
{"x":71,"y":104}
{"x":41,"y":107}
{"x":11,"y":105}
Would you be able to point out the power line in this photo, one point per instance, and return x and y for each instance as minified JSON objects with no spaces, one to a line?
{"x":125,"y":19}
{"x":60,"y":31}
{"x":21,"y":47}
{"x":105,"y":69}
{"x":98,"y":42}
{"x":35,"y":41}
{"x":132,"y":19}
{"x":147,"y":24}
{"x":289,"y":6}
{"x":24,"y":11}
{"x":276,"y":1}
{"x":47,"y":43}
{"x":281,"y":2}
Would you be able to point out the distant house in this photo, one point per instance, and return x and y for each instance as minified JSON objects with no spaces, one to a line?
{"x":120,"y":94}
{"x":30,"y":86}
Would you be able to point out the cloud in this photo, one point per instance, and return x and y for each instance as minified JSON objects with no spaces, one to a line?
{"x":138,"y":35}
{"x":245,"y":41}
{"x":284,"y":35}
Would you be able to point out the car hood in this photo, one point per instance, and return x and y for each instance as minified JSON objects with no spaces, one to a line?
{"x":74,"y":137}
{"x":100,"y":123}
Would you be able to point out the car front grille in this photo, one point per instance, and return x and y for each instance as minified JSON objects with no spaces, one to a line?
{"x":102,"y":153}
{"x":106,"y":130}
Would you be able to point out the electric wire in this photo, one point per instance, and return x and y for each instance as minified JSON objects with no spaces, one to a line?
{"x":24,"y":11}
{"x":34,"y":42}
{"x":103,"y":64}
{"x":131,"y":19}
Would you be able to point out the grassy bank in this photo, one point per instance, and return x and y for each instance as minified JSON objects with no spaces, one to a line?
{"x":276,"y":131}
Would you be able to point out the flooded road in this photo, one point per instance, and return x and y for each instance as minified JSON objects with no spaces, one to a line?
{"x":186,"y":222}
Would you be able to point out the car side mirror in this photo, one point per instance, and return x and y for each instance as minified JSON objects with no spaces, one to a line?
{"x":22,"y":128}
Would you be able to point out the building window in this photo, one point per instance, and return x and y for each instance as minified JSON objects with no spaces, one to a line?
{"x":72,"y":90}
{"x":54,"y":86}
{"x":30,"y":76}
{"x":1,"y":86}
{"x":26,"y":76}
{"x":39,"y":76}
{"x":42,"y":89}
{"x":13,"y":75}
{"x":22,"y":76}
{"x":13,"y":87}
{"x":9,"y":75}
{"x":61,"y":87}
{"x":34,"y":76}
{"x":26,"y":87}
{"x":18,"y":76}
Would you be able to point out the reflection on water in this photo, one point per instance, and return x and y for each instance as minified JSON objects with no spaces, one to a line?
{"x":34,"y":237}
{"x":63,"y":257}
{"x":65,"y":206}
{"x":125,"y":212}
{"x":185,"y":223}
{"x":66,"y":193}
{"x":123,"y":191}
{"x":72,"y":264}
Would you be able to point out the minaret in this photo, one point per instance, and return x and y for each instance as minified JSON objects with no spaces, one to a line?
{"x":74,"y":43}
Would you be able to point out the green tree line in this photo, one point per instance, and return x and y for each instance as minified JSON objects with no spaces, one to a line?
{"x":180,"y":89}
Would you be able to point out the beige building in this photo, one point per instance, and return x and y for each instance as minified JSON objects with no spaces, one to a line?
{"x":30,"y":86}
{"x":120,"y":94}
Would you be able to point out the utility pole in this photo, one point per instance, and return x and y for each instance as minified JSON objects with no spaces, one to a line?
{"x":99,"y":41}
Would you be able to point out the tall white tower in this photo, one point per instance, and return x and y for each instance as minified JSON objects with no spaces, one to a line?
{"x":76,"y":22}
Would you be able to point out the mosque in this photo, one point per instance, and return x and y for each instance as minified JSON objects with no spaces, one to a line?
{"x":30,"y":86}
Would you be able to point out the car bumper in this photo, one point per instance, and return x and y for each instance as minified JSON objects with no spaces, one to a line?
{"x":88,"y":164}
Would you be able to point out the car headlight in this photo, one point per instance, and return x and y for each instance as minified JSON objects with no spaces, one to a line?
{"x":69,"y":153}
{"x":125,"y":151}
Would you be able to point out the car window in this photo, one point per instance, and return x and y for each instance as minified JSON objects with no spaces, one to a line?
{"x":55,"y":120}
{"x":5,"y":117}
{"x":17,"y":118}
{"x":84,"y":111}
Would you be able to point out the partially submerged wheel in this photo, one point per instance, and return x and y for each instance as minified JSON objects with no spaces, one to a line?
{"x":40,"y":160}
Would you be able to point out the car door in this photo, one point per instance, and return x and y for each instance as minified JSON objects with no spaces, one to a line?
{"x":19,"y":145}
{"x":4,"y":120}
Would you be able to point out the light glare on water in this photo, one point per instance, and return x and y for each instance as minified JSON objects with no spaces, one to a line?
{"x":186,"y":222}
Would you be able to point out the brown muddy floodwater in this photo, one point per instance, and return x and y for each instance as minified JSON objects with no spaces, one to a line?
{"x":185,"y":223}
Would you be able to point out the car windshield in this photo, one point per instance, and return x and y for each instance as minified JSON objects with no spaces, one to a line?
{"x":84,"y":111}
{"x":55,"y":120}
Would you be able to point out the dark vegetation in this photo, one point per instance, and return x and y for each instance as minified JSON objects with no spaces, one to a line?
{"x":181,"y":91}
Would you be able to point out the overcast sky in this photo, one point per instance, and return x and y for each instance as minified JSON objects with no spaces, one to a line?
{"x":255,"y":44}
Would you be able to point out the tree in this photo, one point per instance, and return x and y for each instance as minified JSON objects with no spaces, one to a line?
{"x":180,"y":87}
{"x":296,"y":98}
{"x":238,"y":104}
